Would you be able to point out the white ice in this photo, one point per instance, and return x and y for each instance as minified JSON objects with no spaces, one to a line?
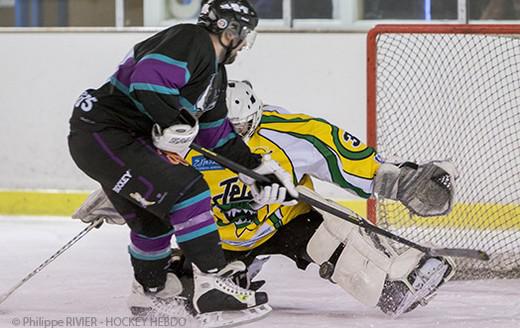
{"x":92,"y":280}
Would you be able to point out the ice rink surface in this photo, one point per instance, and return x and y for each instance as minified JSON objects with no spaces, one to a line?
{"x":92,"y":279}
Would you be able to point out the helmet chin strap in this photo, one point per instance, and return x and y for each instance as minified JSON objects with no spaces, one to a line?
{"x":229,"y":48}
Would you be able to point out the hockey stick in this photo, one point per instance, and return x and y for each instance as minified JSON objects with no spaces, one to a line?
{"x":91,"y":226}
{"x":312,"y":198}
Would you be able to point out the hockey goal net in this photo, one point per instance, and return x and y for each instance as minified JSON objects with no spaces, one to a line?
{"x":452,"y":92}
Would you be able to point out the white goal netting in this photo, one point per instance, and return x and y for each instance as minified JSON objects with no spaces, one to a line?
{"x":454,"y":94}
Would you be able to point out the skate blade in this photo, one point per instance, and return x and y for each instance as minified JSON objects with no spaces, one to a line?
{"x":177,"y":306}
{"x":233,"y":318}
{"x":427,"y":290}
{"x":138,"y":311}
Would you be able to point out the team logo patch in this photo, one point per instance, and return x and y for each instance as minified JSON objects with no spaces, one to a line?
{"x":241,"y":215}
{"x":141,"y":200}
{"x":203,"y":164}
{"x":222,"y":23}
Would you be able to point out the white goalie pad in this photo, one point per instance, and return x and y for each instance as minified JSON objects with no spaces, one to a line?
{"x":367,"y":267}
{"x":364,"y":263}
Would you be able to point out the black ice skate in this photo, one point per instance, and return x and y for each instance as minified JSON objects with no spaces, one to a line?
{"x":183,"y":270}
{"x":164,"y":300}
{"x":220,"y":302}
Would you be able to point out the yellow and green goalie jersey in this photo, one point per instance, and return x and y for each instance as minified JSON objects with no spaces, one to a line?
{"x":304,"y":146}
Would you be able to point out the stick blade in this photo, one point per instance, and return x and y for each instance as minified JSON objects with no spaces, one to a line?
{"x":460,"y":252}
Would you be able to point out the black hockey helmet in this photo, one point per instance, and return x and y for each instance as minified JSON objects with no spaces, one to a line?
{"x":238,"y":16}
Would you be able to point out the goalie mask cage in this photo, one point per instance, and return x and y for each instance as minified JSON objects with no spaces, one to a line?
{"x":452,"y":92}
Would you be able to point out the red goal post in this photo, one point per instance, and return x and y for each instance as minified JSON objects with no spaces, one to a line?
{"x":452,"y":92}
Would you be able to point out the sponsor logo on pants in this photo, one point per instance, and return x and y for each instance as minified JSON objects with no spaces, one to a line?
{"x":122,"y":182}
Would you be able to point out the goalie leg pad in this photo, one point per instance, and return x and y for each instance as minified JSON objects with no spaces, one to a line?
{"x":360,"y":269}
{"x":371,"y":271}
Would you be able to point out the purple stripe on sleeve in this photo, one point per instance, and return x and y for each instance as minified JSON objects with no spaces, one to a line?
{"x":125,"y":70}
{"x":210,"y":137}
{"x":171,"y":76}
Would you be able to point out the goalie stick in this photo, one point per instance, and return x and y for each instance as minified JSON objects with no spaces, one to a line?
{"x":314,"y":199}
{"x":96,"y":224}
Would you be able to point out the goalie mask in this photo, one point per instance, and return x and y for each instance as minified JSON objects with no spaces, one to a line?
{"x":244,"y":108}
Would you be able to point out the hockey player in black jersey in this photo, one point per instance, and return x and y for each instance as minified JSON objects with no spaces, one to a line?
{"x":366,"y":266}
{"x":168,"y":92}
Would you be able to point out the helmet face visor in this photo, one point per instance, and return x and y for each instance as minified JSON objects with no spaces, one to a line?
{"x":249,"y":36}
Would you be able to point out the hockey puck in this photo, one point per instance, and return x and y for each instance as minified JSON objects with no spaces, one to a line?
{"x":326,"y":270}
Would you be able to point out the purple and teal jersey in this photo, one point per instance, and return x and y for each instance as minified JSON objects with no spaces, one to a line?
{"x":175,"y":68}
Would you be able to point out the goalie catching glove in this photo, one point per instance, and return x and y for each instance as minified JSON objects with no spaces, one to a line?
{"x":426,"y":190}
{"x":276,"y":192}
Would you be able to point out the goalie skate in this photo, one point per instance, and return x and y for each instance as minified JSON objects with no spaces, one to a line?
{"x":420,"y":288}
